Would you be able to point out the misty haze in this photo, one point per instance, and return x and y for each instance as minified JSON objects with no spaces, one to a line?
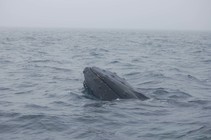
{"x":132,"y":14}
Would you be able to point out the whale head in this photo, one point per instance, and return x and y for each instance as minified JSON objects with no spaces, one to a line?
{"x":106,"y":85}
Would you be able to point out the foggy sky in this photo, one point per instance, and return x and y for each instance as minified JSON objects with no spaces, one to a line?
{"x":126,"y":14}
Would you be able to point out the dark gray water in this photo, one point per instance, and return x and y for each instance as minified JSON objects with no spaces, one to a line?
{"x":41,"y":90}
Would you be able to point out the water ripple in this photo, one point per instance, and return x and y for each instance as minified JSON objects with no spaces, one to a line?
{"x":42,"y":95}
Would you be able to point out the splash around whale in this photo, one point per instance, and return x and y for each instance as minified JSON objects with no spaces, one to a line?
{"x":105,"y":85}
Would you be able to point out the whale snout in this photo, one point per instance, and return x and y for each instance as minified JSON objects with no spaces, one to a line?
{"x":106,"y":85}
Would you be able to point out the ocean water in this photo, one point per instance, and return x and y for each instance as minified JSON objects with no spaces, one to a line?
{"x":42,"y":95}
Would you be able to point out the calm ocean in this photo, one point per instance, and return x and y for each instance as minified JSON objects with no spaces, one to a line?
{"x":42,"y":94}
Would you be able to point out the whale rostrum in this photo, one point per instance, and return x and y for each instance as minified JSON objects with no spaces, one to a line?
{"x":106,"y":85}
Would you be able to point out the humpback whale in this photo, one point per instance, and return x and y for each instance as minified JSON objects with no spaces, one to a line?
{"x":105,"y":85}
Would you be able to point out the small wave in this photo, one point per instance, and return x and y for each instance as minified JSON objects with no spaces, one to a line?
{"x":156,"y":75}
{"x":2,"y":61}
{"x":198,"y":51}
{"x":63,"y":79}
{"x":114,"y":62}
{"x":132,"y":73}
{"x":160,"y":91}
{"x":200,"y":102}
{"x":129,"y":66}
{"x":134,"y":42}
{"x":29,"y":38}
{"x":95,"y":104}
{"x":52,"y":124}
{"x":75,"y":96}
{"x":179,"y":94}
{"x":30,"y":117}
{"x":9,"y":114}
{"x":94,"y":54}
{"x":6,"y":43}
{"x":61,"y":103}
{"x":192,"y":77}
{"x":207,"y":61}
{"x":7,"y":128}
{"x":4,"y":88}
{"x":25,"y":85}
{"x":207,"y":108}
{"x":92,"y":36}
{"x":162,"y":94}
{"x":44,"y":61}
{"x":5,"y":104}
{"x":103,"y":50}
{"x":190,"y":132}
{"x":135,"y":60}
{"x":55,"y":68}
{"x":35,"y":106}
{"x":175,"y":69}
{"x":24,"y":92}
{"x":149,"y":83}
{"x":40,"y":122}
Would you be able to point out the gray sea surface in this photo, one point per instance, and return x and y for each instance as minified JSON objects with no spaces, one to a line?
{"x":42,"y":95}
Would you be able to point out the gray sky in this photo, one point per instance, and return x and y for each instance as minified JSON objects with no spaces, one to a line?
{"x":141,"y":14}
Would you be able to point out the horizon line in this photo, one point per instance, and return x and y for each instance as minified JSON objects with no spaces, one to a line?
{"x":103,"y":28}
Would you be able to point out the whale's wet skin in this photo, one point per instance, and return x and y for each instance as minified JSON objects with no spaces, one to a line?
{"x":105,"y":85}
